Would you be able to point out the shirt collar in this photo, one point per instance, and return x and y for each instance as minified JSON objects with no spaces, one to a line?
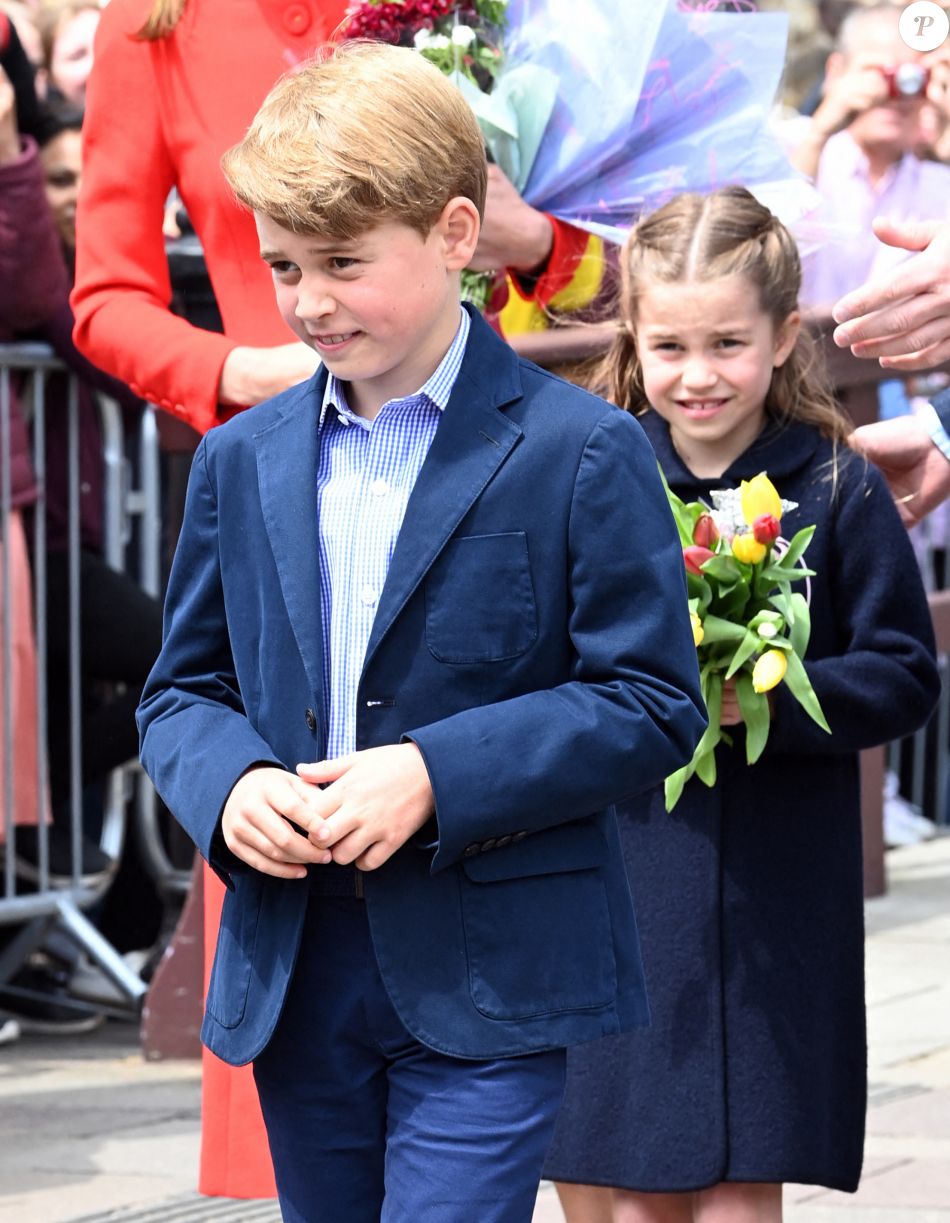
{"x":437,"y":388}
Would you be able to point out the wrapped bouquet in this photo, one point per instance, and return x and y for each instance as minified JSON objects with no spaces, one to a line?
{"x":748,"y":623}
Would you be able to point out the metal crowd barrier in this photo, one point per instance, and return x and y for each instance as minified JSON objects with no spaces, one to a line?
{"x":37,"y":909}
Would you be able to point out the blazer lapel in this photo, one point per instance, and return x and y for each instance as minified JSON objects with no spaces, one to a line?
{"x":287,"y":453}
{"x":472,"y":441}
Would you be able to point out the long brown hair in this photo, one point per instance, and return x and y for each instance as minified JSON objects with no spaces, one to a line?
{"x":163,"y":16}
{"x":702,"y":238}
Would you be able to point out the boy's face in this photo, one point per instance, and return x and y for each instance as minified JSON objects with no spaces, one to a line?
{"x":381,"y":310}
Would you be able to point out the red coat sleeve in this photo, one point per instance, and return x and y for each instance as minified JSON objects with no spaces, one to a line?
{"x":122,"y":293}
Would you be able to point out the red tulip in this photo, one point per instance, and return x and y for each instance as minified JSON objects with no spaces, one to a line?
{"x":705,"y":532}
{"x":696,"y":555}
{"x":766,"y":528}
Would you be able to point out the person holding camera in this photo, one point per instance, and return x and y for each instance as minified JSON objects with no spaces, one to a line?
{"x":859,"y":148}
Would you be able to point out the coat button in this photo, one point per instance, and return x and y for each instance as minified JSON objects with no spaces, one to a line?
{"x":503,"y":841}
{"x":489,"y":844}
{"x":471,"y":850}
{"x":518,"y":836}
{"x":297,"y":18}
{"x":311,"y":720}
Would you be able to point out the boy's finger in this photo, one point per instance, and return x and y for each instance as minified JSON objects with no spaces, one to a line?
{"x":334,"y":831}
{"x":320,"y":772}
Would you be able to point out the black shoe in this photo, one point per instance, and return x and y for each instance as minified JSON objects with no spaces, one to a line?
{"x":94,"y":868}
{"x":36,"y":998}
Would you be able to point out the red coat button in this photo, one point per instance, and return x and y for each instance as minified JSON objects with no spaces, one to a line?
{"x":297,"y":18}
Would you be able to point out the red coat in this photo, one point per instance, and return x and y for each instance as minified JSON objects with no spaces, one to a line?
{"x":161,"y":114}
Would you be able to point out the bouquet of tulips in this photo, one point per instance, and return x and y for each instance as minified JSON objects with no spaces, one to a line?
{"x":748,"y":623}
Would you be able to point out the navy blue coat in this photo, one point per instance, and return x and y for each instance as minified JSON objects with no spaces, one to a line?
{"x":531,"y":638}
{"x":749,"y":895}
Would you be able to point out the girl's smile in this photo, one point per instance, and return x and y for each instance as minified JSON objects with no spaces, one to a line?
{"x":707,"y":351}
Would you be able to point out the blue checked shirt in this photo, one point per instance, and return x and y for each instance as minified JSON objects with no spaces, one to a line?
{"x":366,"y":473}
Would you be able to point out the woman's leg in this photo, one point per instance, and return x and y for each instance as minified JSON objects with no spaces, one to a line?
{"x":585,"y":1203}
{"x":632,"y":1207}
{"x":739,"y":1203}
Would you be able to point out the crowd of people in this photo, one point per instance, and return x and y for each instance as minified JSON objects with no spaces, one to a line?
{"x":466,"y":661}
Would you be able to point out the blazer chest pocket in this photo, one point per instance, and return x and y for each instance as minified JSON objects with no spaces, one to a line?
{"x":234,"y":954}
{"x":479,"y":597}
{"x":537,"y":925}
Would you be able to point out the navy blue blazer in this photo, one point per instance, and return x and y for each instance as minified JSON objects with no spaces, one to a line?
{"x":531,"y":638}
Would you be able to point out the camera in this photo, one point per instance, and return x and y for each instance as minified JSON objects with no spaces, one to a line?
{"x":906,"y":80}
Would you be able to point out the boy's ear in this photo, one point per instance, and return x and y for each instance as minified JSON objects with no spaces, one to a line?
{"x":458,"y":227}
{"x":786,"y":338}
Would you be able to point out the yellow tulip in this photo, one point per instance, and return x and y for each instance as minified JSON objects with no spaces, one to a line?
{"x":757,"y":497}
{"x":769,"y":670}
{"x":698,"y":631}
{"x":748,"y":549}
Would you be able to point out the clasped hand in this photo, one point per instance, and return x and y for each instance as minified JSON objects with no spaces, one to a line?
{"x":372,"y":803}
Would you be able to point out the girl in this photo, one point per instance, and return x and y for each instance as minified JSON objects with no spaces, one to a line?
{"x":749,"y":894}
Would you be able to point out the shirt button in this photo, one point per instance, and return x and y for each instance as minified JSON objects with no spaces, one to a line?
{"x":379,"y":487}
{"x":297,"y":18}
{"x":342,"y":419}
{"x":368,"y":596}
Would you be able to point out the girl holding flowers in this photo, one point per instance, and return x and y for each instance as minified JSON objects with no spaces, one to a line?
{"x":749,"y":892}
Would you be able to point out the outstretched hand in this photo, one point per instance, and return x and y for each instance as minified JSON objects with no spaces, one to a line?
{"x":373,"y":802}
{"x":916,"y":471}
{"x":902,"y":318}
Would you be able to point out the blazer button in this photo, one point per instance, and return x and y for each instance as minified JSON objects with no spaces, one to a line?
{"x":518,"y":836}
{"x":489,"y":844}
{"x":311,"y":720}
{"x":471,"y":850}
{"x":503,"y":841}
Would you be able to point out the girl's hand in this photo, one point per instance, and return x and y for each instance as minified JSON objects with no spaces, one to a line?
{"x":730,"y":714}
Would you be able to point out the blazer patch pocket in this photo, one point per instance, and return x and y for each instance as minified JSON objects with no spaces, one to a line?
{"x":480,"y":603}
{"x":537,"y":925}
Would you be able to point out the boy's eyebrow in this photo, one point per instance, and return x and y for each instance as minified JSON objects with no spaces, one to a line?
{"x":341,"y":247}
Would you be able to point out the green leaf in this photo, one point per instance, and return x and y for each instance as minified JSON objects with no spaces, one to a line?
{"x":716,"y":629}
{"x":800,"y":687}
{"x":706,"y":768}
{"x":755,"y":713}
{"x":673,"y":786}
{"x":681,"y":515}
{"x":751,"y":643}
{"x":698,"y":588}
{"x":724,"y":568}
{"x":799,"y":623}
{"x":796,"y":548}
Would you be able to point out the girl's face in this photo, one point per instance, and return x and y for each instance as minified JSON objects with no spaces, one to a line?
{"x":707,"y":350}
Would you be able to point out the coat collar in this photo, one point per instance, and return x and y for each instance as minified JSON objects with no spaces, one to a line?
{"x":473,"y":440}
{"x":781,"y":450}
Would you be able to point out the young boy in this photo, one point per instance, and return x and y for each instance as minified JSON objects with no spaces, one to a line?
{"x":452,"y":580}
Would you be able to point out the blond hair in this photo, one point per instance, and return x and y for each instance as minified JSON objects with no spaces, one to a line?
{"x":163,"y":16}
{"x":366,"y":134}
{"x":700,"y":238}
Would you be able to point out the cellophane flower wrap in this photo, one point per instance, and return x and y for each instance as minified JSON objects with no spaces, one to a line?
{"x":749,"y":624}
